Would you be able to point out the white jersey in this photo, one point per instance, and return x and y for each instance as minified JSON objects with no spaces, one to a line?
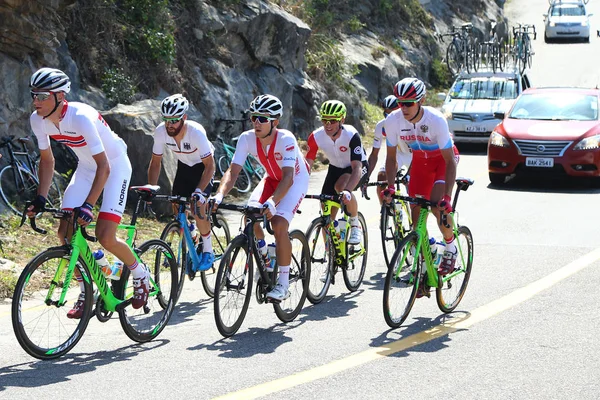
{"x":83,"y":129}
{"x":425,"y":138}
{"x":283,"y":152}
{"x":403,"y":153}
{"x":341,"y":152}
{"x":194,"y":145}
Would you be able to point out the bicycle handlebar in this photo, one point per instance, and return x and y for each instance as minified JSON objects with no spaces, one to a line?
{"x":250,"y":211}
{"x":56,"y":213}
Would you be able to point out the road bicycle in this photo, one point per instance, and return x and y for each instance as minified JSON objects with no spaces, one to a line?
{"x":233,"y":287}
{"x":19,"y":179}
{"x":177,"y":234}
{"x":491,"y":53}
{"x":395,"y":218}
{"x":521,"y":51}
{"x":462,"y":50}
{"x":330,"y":250}
{"x":413,"y":266}
{"x":47,"y":288}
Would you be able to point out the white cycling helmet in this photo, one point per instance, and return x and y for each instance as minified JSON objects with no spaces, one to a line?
{"x":50,"y":79}
{"x":409,"y":89}
{"x":267,"y":104}
{"x":390,"y":102}
{"x":174,"y":106}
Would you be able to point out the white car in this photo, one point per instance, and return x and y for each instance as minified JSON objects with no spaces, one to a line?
{"x":568,"y":20}
{"x":473,"y":99}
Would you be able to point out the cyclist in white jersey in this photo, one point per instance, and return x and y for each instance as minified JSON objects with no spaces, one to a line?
{"x":195,"y":163}
{"x":433,"y":171}
{"x":403,"y":153}
{"x":284,"y":185}
{"x":103,"y":165}
{"x":347,"y":160}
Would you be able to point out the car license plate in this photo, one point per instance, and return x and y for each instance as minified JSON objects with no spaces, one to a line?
{"x":539,"y":162}
{"x":475,"y":128}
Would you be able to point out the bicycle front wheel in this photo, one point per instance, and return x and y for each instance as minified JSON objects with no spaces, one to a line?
{"x":451,"y":288}
{"x":233,"y":287}
{"x":454,"y":59}
{"x":402,"y":281}
{"x":289,"y":308}
{"x":394,"y":222}
{"x":354,"y":272}
{"x":242,"y":184}
{"x":146,"y":323}
{"x":40,"y":323}
{"x":172,"y":234}
{"x":220,"y":238}
{"x":321,"y":254}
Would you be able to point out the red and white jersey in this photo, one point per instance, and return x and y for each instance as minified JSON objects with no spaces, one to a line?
{"x":341,"y":152}
{"x":194,"y":145}
{"x":283,"y":152}
{"x":403,"y":153}
{"x":425,"y":138}
{"x":83,"y":129}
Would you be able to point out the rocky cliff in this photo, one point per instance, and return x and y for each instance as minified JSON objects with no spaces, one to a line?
{"x":226,"y":52}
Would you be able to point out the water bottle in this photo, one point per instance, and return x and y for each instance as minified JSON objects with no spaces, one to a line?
{"x":115,"y":270}
{"x":264,"y":252}
{"x":193,"y":231}
{"x":341,"y":224}
{"x":102,"y":262}
{"x":336,"y":226}
{"x":272,"y":256}
{"x":433,"y":247}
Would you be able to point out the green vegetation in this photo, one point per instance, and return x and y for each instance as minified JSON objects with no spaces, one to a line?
{"x":117,"y":86}
{"x":373,"y":113}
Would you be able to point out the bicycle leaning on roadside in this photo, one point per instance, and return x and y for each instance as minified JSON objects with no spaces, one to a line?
{"x":19,"y":180}
{"x":413,"y":268}
{"x":47,"y":285}
{"x":330,"y":251}
{"x":233,"y":286}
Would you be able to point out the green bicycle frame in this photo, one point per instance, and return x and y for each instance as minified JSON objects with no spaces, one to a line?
{"x":80,"y":247}
{"x":338,"y":243}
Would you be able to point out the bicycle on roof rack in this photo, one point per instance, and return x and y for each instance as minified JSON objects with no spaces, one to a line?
{"x":462,"y":50}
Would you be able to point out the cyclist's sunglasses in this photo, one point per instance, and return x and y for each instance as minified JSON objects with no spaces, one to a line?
{"x":41,"y":96}
{"x":406,"y":104}
{"x":172,"y":120}
{"x":261,"y":118}
{"x":327,"y":121}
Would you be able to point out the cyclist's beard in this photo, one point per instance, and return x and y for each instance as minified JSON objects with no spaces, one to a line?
{"x":176,"y":131}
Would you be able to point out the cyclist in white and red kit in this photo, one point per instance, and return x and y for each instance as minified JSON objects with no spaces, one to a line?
{"x":103,"y":166}
{"x":284,"y":185}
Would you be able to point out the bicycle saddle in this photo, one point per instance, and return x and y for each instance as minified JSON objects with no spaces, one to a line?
{"x":463,"y":183}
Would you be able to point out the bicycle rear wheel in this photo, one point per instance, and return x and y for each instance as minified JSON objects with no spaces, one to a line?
{"x":220,"y":238}
{"x":354,"y":272}
{"x":401,"y":287}
{"x":233,"y":287}
{"x":451,"y":288}
{"x":15,"y":192}
{"x":40,"y":324}
{"x":242,"y":184}
{"x":321,"y":256}
{"x":289,"y":308}
{"x":453,"y":58}
{"x":146,"y":323}
{"x":172,"y":234}
{"x":391,"y":232}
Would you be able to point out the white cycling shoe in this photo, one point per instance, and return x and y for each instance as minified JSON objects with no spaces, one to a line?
{"x":278,"y":293}
{"x":356,"y":235}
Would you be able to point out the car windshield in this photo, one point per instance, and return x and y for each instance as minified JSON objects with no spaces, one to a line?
{"x":492,"y":88}
{"x":556,"y":107}
{"x":567,"y":11}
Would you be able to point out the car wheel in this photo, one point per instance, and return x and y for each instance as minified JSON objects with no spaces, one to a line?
{"x":546,"y":39}
{"x":497,"y":179}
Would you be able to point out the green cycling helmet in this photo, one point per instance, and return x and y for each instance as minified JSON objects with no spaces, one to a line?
{"x":333,"y":109}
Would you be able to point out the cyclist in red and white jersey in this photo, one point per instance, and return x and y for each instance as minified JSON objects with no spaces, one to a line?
{"x":103,"y":166}
{"x":403,"y":153}
{"x":347,"y":160}
{"x":284,"y":185}
{"x":433,"y":171}
{"x":195,"y":163}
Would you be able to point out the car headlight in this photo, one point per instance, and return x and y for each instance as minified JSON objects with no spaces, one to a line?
{"x":448,"y":114}
{"x":584,"y":23}
{"x":588,"y":143}
{"x":552,"y":24}
{"x":498,"y":140}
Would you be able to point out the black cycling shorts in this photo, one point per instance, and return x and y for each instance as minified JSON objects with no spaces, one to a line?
{"x":334,"y":173}
{"x":187,"y":179}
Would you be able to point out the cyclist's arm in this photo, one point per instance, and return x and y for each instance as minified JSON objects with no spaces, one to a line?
{"x":209,"y":172}
{"x":448,"y":155}
{"x":154,"y":168}
{"x":229,"y":179}
{"x":311,"y":154}
{"x":284,"y":185}
{"x":372,"y":160}
{"x":377,"y":139}
{"x":390,"y":163}
{"x":102,"y":172}
{"x":355,"y":176}
{"x":45,"y":171}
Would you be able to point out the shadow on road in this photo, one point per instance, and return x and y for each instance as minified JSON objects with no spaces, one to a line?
{"x":42,"y":373}
{"x":184,"y":311}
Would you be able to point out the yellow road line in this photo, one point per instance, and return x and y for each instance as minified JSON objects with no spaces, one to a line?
{"x":478,"y":315}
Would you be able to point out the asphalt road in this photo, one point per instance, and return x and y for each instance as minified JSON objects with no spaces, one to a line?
{"x":526,"y":329}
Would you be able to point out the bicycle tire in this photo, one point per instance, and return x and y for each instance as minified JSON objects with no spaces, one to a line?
{"x":445,"y":285}
{"x":354,"y":276}
{"x":388,"y":232}
{"x":219,"y":242}
{"x":257,"y":169}
{"x":237,"y":281}
{"x":243,"y":182}
{"x":146,"y":323}
{"x":28,"y":299}
{"x":410,"y":280}
{"x":173,"y":236}
{"x":320,"y":267}
{"x":453,"y":58}
{"x":288,"y":309}
{"x":223,"y":164}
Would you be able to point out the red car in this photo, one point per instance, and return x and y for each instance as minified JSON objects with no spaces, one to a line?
{"x":548,"y":131}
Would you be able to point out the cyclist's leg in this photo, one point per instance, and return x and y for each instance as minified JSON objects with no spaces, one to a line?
{"x":329,"y":185}
{"x":381,"y":177}
{"x":265,"y":189}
